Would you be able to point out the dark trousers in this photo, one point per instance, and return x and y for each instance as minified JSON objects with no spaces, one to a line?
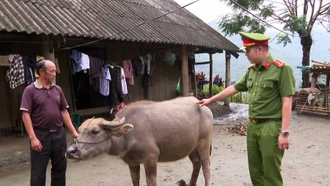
{"x":54,"y":148}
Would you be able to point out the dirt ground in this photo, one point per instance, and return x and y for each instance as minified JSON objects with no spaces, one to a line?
{"x":306,"y":163}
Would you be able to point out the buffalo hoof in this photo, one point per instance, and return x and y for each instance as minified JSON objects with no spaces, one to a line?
{"x":181,"y":183}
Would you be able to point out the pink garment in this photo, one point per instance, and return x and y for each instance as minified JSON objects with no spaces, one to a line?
{"x":128,"y":70}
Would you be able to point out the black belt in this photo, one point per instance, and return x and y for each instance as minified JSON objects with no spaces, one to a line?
{"x":46,"y":129}
{"x":257,"y":121}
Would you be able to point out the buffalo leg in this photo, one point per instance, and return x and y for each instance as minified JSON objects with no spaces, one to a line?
{"x":135,"y":174}
{"x":196,"y":161}
{"x":204,"y":154}
{"x":151,"y":172}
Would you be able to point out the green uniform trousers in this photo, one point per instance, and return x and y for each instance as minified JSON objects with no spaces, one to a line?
{"x":264,"y":156}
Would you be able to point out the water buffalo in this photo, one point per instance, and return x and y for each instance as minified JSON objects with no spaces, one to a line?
{"x":149,"y":132}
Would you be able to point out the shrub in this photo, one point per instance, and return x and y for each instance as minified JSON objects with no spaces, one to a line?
{"x":237,"y":98}
{"x":215,"y":89}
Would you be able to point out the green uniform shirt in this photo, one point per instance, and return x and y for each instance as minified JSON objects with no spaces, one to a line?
{"x":266,"y":86}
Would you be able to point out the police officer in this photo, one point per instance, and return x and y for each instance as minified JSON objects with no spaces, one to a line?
{"x":270,"y":85}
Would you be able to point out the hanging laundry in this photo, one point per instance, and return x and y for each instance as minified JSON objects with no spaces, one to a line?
{"x":104,"y":79}
{"x":85,"y":62}
{"x":29,"y":63}
{"x":148,"y":57}
{"x":145,"y":60}
{"x":95,"y":72}
{"x":76,"y":61}
{"x":15,"y":74}
{"x":123,"y":82}
{"x":38,"y":58}
{"x":116,"y":86}
{"x":136,"y":63}
{"x":96,"y":66}
{"x":128,"y":69}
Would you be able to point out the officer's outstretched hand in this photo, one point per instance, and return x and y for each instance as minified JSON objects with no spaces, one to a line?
{"x":204,"y":102}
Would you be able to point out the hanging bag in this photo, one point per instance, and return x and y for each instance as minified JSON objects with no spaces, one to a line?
{"x":178,"y":86}
{"x":169,"y":58}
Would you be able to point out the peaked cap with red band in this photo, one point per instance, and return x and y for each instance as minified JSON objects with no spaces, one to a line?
{"x":254,"y":39}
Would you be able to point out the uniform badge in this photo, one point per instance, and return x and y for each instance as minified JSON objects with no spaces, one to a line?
{"x":279,"y":63}
{"x":267,"y":64}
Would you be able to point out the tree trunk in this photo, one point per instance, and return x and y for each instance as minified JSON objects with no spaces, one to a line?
{"x":306,"y":43}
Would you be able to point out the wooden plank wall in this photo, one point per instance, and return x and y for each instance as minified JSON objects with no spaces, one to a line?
{"x":64,"y":77}
{"x":164,"y":77}
{"x":5,"y":107}
{"x":12,"y":97}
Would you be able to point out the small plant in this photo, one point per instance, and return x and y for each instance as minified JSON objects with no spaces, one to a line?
{"x":203,"y":91}
{"x":237,"y":98}
{"x":218,"y":80}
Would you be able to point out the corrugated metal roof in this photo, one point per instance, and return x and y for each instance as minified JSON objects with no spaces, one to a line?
{"x":111,"y":19}
{"x":324,"y":67}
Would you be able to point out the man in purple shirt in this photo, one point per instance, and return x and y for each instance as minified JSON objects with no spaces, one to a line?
{"x":44,"y":111}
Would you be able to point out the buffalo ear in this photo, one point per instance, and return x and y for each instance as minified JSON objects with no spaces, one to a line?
{"x":118,"y":130}
{"x":126,"y":128}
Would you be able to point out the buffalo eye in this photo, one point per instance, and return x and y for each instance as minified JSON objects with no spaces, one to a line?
{"x":95,"y":131}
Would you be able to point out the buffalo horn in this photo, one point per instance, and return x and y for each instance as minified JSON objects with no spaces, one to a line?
{"x":116,"y":123}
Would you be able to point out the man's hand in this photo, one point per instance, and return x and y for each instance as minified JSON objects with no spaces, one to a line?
{"x":204,"y":102}
{"x":36,"y":145}
{"x":75,"y":134}
{"x":283,"y":142}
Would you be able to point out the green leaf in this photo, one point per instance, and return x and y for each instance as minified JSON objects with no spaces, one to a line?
{"x":266,"y":12}
{"x":232,"y":24}
{"x":284,"y":39}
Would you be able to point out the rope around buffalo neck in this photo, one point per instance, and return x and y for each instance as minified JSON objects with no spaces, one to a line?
{"x":76,"y":142}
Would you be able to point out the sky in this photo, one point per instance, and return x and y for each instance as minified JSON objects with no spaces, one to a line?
{"x":207,"y":10}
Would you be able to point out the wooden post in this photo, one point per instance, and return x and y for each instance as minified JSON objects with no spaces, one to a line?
{"x":326,"y":95}
{"x":195,"y":85}
{"x":211,"y":75}
{"x":185,"y":74}
{"x":227,"y":84}
{"x":47,"y":50}
{"x":328,"y":80}
{"x":314,"y":79}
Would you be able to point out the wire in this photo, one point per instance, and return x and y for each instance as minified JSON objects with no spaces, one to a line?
{"x":285,"y":55}
{"x":263,"y":20}
{"x":256,"y":16}
{"x":328,"y":30}
{"x":121,"y":32}
{"x":274,"y":37}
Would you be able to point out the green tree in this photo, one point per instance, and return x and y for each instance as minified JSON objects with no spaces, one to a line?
{"x":296,"y":17}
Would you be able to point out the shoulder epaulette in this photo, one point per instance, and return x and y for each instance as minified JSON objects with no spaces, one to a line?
{"x":279,"y":63}
{"x":252,"y":65}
